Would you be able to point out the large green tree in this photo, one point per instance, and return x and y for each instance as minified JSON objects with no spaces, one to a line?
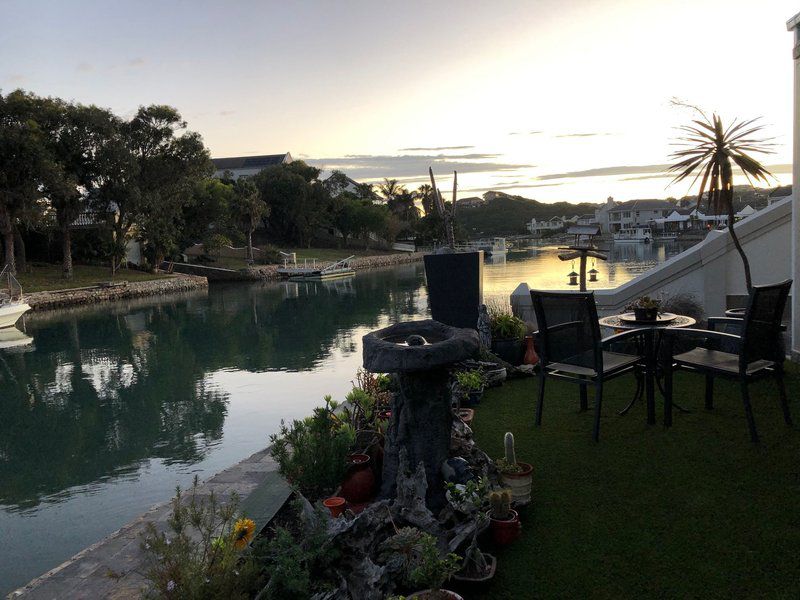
{"x":248,"y":209}
{"x":710,"y":152}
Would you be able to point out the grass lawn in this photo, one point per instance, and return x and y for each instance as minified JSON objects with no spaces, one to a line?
{"x":696,"y":511}
{"x":46,"y":277}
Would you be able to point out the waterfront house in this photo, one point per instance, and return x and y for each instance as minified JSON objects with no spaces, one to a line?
{"x":247,"y":166}
{"x":601,"y":215}
{"x":588,"y":219}
{"x":637,"y":213}
{"x":552,"y":224}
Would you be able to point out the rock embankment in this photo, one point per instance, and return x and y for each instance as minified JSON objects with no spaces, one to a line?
{"x":155,"y":287}
{"x":270,"y":272}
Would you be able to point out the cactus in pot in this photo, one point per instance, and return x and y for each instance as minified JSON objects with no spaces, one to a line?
{"x":518,"y":476}
{"x":504,"y":521}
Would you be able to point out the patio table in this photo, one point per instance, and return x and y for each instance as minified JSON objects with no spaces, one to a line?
{"x":649,"y":331}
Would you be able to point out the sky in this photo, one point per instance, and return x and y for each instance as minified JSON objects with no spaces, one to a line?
{"x":549,"y":99}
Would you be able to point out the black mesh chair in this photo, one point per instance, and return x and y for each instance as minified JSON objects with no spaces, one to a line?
{"x":571,"y":349}
{"x":757,"y":353}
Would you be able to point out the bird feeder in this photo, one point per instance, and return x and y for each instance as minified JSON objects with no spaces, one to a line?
{"x":593,"y":274}
{"x":573,"y":278}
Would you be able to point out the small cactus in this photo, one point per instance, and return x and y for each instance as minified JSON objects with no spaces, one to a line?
{"x":511,"y":456}
{"x":501,"y":504}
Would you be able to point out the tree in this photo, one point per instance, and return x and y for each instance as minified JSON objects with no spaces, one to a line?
{"x":23,"y":157}
{"x":297,"y":200}
{"x":370,"y":219}
{"x":389,"y":189}
{"x":208,"y":213}
{"x":248,"y":209}
{"x":346,"y":215}
{"x":710,"y":151}
{"x":425,"y":196}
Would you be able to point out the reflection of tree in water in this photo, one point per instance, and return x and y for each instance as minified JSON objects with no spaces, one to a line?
{"x":105,"y":391}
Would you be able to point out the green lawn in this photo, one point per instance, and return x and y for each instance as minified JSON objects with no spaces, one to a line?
{"x":696,"y":511}
{"x":46,"y":277}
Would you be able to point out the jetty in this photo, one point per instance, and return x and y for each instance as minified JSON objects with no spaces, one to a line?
{"x":313,"y":270}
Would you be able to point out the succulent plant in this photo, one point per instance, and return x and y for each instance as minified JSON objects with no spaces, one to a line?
{"x":501,"y":504}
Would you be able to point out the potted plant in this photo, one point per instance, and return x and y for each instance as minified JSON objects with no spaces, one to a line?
{"x":468,"y":497}
{"x":645,"y":309}
{"x":335,"y":504}
{"x":504,"y":522}
{"x":508,"y":332}
{"x":469,"y":386}
{"x":432,"y":570}
{"x":478,"y":566}
{"x":517,"y":476}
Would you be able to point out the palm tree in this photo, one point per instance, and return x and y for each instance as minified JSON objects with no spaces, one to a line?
{"x":710,"y":150}
{"x":425,"y":196}
{"x":389,"y":188}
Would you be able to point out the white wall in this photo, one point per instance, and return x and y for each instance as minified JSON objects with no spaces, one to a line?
{"x":796,"y":190}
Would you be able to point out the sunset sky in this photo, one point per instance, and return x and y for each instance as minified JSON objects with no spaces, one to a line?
{"x":550,"y":99}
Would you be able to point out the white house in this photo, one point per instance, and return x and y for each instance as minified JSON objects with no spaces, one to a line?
{"x":637,"y":213}
{"x":246,"y":166}
{"x":601,"y":216}
{"x":588,"y":219}
{"x":550,"y":225}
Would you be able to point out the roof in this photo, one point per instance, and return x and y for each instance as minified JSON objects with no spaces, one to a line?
{"x":644,"y":205}
{"x":584,"y":230}
{"x":587,"y":216}
{"x":793,"y":23}
{"x":250,"y":162}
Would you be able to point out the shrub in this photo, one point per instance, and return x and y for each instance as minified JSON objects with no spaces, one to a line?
{"x":311,"y":453}
{"x":506,"y":326}
{"x":204,"y":552}
{"x":470,"y":381}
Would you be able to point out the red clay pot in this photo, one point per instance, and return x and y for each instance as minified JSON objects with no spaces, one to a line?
{"x":530,"y":358}
{"x":359,"y":483}
{"x":505,"y":532}
{"x":335,"y":504}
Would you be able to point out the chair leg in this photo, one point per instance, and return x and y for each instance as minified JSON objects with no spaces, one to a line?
{"x":668,"y":396}
{"x":709,"y":392}
{"x":787,"y":417}
{"x":748,"y":412}
{"x":584,"y":398}
{"x":598,"y":403}
{"x":541,"y":398}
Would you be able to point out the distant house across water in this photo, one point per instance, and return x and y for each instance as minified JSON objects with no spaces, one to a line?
{"x":637,"y":213}
{"x":247,"y":166}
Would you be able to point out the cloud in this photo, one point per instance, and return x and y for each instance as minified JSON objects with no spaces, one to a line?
{"x":578,"y":135}
{"x":436,"y":149}
{"x":517,"y":185}
{"x":84,"y":67}
{"x":135,"y":62}
{"x":226,"y":113}
{"x":414,"y":166}
{"x":535,"y":132}
{"x":17,"y":78}
{"x":606,"y":171}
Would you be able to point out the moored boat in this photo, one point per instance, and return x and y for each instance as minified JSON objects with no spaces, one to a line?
{"x":641,"y":235}
{"x":12,"y":304}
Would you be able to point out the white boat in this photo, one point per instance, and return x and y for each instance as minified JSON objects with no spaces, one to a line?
{"x":638,"y":235}
{"x":12,"y":305}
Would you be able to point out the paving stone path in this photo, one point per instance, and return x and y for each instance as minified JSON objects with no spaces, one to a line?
{"x":113,"y":567}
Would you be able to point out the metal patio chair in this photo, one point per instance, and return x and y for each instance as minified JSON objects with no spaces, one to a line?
{"x":572,"y":350}
{"x":754,"y":354}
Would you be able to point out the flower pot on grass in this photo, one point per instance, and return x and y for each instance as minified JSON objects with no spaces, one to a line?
{"x":519,"y":483}
{"x":504,"y":523}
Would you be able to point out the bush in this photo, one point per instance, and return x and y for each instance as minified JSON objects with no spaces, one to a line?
{"x":312,"y":453}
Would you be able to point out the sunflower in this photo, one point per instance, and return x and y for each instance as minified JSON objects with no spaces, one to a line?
{"x":243,"y":531}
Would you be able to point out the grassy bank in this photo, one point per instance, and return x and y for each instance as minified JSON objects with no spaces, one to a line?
{"x":46,"y":277}
{"x":696,"y":511}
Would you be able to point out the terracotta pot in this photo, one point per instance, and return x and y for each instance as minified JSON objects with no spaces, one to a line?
{"x":335,"y":504}
{"x":371,"y":443}
{"x":519,"y":483}
{"x":505,"y":531}
{"x":530,"y":358}
{"x":359,"y":482}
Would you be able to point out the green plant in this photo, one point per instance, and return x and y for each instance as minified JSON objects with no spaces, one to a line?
{"x":204,"y":553}
{"x":711,"y":149}
{"x":432,"y":569}
{"x":506,"y":326}
{"x":297,"y":566}
{"x":508,"y":464}
{"x":468,"y":496}
{"x":645,"y":302}
{"x":471,"y":381}
{"x":500,"y":502}
{"x":312,"y":453}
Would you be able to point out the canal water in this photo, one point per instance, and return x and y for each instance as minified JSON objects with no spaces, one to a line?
{"x":111,"y":406}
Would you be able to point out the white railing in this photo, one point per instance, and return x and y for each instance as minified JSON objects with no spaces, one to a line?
{"x":9,"y":286}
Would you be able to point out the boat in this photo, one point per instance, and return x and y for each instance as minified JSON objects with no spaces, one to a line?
{"x":12,"y":304}
{"x":639,"y":235}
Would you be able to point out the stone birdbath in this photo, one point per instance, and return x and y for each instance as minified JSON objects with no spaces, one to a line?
{"x":419,"y":354}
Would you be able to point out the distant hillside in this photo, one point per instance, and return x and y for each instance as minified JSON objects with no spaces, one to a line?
{"x":507,"y":215}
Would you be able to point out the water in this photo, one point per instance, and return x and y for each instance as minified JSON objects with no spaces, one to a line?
{"x":112,"y":406}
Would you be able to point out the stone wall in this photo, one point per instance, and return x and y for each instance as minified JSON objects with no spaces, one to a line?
{"x":62,"y":298}
{"x":270,"y":272}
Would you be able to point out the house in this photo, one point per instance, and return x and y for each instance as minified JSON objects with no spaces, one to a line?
{"x":588,"y":219}
{"x":471,"y":202}
{"x":680,"y":219}
{"x":637,"y":213}
{"x":601,"y":215}
{"x":246,"y":166}
{"x":551,"y":224}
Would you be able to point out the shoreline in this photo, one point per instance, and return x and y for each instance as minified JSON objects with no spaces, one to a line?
{"x":185,"y":282}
